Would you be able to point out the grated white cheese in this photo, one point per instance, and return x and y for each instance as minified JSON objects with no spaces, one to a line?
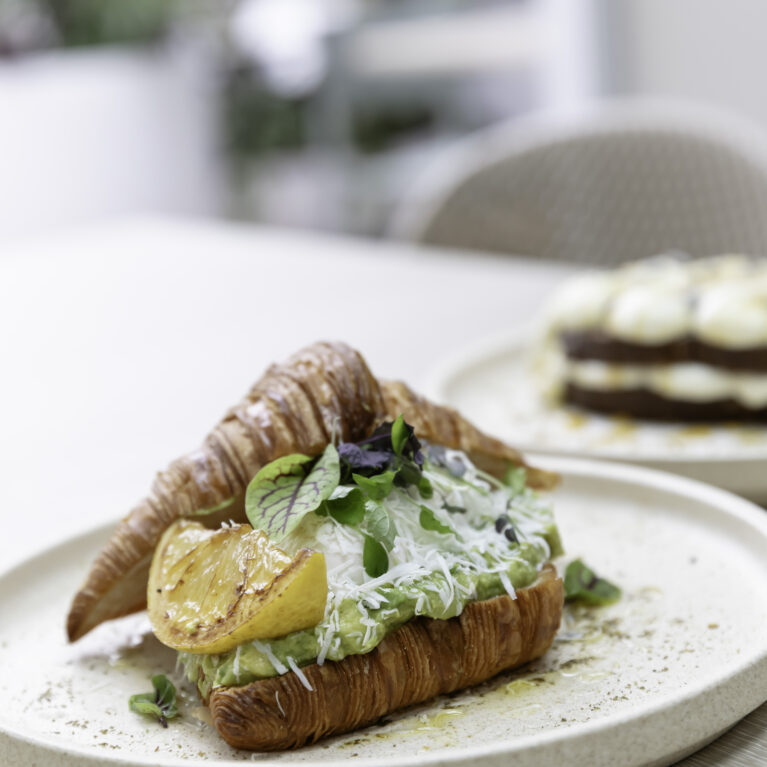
{"x":236,"y":663}
{"x":327,"y":638}
{"x":279,"y":705}
{"x":507,"y":584}
{"x":300,"y":674}
{"x":266,"y":649}
{"x":437,"y":572}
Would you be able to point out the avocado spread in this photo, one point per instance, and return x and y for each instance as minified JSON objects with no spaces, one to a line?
{"x":456,"y":537}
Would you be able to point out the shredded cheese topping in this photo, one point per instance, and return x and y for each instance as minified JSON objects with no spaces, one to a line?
{"x":432,"y":572}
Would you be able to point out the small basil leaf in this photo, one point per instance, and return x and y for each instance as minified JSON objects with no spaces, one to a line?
{"x":341,"y":492}
{"x":399,"y":435}
{"x":161,"y":703}
{"x":375,"y":560}
{"x":381,"y":439}
{"x":348,"y":509}
{"x":165,"y":692}
{"x":409,"y":473}
{"x":453,"y":509}
{"x":212,"y":509}
{"x":515,"y":477}
{"x":583,"y":585}
{"x":429,"y":521}
{"x":144,"y":704}
{"x":284,"y":491}
{"x":425,"y":488}
{"x":378,"y":524}
{"x":376,"y":487}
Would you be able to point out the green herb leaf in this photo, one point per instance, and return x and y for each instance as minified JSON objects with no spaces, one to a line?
{"x":348,"y":509}
{"x":429,"y":521}
{"x":375,"y":560}
{"x":399,"y":435}
{"x":378,"y":524}
{"x":161,"y":703}
{"x":515,"y":477}
{"x":408,"y":473}
{"x":376,"y":487}
{"x":212,"y":509}
{"x":583,"y":585}
{"x":425,"y":488}
{"x":284,"y":491}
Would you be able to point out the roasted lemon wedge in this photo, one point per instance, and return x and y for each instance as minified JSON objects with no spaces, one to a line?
{"x":210,"y":590}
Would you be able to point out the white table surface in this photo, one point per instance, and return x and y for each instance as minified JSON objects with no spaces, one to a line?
{"x":123,"y":344}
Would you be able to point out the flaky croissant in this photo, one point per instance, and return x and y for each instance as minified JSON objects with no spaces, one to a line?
{"x":422,"y":659}
{"x":323,"y":392}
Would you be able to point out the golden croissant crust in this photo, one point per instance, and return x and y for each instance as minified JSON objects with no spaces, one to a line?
{"x":322,"y":392}
{"x":420,"y":660}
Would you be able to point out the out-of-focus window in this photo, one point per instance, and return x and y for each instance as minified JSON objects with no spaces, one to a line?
{"x":315,"y":113}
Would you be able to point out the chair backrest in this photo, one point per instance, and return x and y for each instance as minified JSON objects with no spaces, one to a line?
{"x":625,"y":181}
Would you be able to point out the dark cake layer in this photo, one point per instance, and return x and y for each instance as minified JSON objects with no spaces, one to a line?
{"x":596,"y":345}
{"x":640,"y":403}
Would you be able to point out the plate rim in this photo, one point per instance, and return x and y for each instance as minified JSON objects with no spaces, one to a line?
{"x":521,"y":338}
{"x":725,"y":502}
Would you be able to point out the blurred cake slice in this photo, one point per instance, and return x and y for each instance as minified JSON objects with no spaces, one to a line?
{"x":664,"y":339}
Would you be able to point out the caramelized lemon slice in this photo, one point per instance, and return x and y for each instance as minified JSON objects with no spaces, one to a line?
{"x":210,"y":590}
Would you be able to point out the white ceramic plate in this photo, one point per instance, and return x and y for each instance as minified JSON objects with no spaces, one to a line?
{"x":492,"y":385}
{"x":678,"y":660}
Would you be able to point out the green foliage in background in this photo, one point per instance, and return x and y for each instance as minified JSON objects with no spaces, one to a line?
{"x":257,"y":120}
{"x":100,"y":22}
{"x":375,"y":130}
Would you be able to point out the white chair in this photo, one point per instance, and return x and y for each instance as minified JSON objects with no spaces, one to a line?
{"x":624,"y":181}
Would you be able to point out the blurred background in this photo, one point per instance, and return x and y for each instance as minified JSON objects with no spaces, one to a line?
{"x":319,"y":114}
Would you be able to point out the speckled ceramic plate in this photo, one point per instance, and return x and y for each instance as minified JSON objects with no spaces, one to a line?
{"x":676,"y":662}
{"x":492,"y":384}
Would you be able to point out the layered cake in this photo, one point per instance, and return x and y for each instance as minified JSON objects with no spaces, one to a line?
{"x":664,"y":338}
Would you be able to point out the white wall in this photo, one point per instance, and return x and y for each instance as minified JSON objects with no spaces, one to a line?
{"x":88,"y":135}
{"x":705,"y":50}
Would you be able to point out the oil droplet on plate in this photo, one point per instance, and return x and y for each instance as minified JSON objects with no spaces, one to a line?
{"x":525,"y":710}
{"x":519,"y":686}
{"x":202,"y":714}
{"x":437,"y":721}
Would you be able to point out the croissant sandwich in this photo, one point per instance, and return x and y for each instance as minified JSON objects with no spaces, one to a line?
{"x":337,"y":549}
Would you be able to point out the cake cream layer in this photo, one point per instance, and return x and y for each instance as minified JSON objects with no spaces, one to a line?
{"x":683,"y":381}
{"x":721,"y":301}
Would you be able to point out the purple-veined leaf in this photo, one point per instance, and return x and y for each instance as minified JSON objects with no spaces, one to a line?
{"x":285,"y":490}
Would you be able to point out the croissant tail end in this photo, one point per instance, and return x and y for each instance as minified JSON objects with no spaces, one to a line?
{"x":89,"y":608}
